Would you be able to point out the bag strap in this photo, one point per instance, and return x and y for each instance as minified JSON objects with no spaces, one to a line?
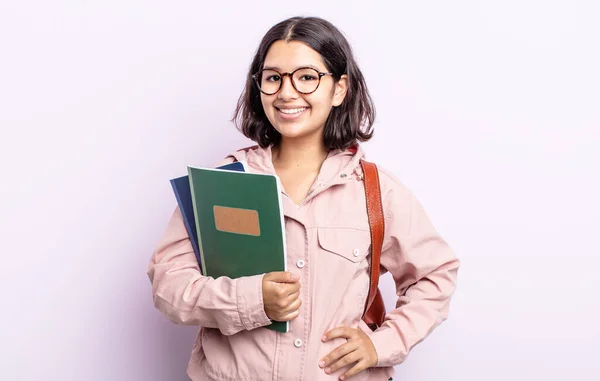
{"x":376,"y":224}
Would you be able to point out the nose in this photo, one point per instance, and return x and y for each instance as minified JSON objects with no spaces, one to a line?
{"x":287,"y":91}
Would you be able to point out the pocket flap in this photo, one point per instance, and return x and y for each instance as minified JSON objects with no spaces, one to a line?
{"x":350,"y":243}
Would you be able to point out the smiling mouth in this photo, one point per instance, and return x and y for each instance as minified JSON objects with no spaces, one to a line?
{"x":292,"y":111}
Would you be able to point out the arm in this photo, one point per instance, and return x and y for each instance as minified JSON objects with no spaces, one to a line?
{"x":187,"y":297}
{"x":424,"y":269}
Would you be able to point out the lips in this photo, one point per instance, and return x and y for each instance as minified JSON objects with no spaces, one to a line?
{"x":289,"y":113}
{"x":292,"y":111}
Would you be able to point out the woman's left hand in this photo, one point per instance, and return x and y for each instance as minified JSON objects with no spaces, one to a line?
{"x":358,"y":350}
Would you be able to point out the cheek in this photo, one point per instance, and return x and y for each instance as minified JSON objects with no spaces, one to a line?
{"x":322,"y":99}
{"x":321,"y":107}
{"x":267,"y":105}
{"x":265,"y":102}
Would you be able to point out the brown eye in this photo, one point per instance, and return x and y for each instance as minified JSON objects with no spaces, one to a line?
{"x":308,"y":77}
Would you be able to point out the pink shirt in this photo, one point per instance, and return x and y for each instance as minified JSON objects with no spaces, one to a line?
{"x":328,"y":247}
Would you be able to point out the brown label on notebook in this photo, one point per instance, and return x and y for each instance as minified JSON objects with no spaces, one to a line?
{"x":234,"y":220}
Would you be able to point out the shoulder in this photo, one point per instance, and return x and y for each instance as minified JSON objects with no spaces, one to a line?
{"x":390,"y":183}
{"x":397,"y":198}
{"x":239,"y":155}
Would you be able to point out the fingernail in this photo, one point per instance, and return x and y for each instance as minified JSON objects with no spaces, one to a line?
{"x":324,"y":338}
{"x":342,"y":377}
{"x":321,"y":363}
{"x":327,"y":370}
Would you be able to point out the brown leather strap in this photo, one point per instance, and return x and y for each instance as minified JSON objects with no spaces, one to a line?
{"x":376,"y":224}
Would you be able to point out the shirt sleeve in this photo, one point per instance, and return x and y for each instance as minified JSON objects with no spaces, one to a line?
{"x":185,"y":296}
{"x":424,"y":269}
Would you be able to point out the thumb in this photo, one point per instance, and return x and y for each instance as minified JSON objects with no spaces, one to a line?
{"x":282,"y":277}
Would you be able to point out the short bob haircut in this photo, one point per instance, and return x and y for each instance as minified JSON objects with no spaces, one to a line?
{"x":348,"y":123}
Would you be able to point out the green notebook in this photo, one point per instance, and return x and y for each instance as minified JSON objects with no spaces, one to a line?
{"x":239,"y":219}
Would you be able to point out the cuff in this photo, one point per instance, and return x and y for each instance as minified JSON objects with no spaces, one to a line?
{"x":250,"y":302}
{"x":389,"y":351}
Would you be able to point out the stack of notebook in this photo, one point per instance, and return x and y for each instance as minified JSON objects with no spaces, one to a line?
{"x":235,"y":221}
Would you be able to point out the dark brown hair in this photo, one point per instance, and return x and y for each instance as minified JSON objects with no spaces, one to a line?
{"x":348,"y":123}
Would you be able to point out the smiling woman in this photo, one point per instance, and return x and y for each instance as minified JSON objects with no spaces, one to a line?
{"x":294,"y":107}
{"x":307,"y":106}
{"x":306,"y":64}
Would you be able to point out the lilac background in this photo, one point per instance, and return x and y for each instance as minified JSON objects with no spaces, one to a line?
{"x":488,"y":110}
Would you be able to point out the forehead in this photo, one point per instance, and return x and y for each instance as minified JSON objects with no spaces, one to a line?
{"x":288,"y":56}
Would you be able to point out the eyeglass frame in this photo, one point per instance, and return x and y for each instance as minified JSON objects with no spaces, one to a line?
{"x":291,"y":75}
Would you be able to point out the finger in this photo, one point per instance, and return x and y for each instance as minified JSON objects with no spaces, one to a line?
{"x":357,"y":368}
{"x":286,"y":301}
{"x":295,"y":305}
{"x":286,"y":289}
{"x":337,"y":353}
{"x":283,"y":290}
{"x":346,"y":360}
{"x":290,"y":316}
{"x":345,"y":332}
{"x":291,"y":288}
{"x":292,"y":297}
{"x":282,"y":277}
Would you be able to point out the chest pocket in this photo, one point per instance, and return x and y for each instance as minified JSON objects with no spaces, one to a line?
{"x":352,"y":244}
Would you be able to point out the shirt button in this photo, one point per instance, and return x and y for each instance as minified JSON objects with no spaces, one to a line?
{"x":343,"y":175}
{"x":300,"y":263}
{"x":356,"y":252}
{"x":298,"y":343}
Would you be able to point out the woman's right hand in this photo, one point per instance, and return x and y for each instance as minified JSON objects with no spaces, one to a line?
{"x":281,"y":295}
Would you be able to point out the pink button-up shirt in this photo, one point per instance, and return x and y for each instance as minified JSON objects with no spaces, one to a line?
{"x":328,"y":246}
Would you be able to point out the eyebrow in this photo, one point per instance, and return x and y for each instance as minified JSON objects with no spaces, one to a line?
{"x":298,"y":67}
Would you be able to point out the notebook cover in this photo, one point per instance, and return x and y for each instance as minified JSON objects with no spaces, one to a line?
{"x":181,"y":188}
{"x":240,"y":225}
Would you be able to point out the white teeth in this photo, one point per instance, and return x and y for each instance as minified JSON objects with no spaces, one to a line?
{"x":290,"y":111}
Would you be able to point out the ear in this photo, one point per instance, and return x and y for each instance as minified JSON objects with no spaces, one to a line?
{"x":340,"y":90}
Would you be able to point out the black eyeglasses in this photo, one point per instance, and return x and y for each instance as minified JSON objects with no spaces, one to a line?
{"x":305,"y":80}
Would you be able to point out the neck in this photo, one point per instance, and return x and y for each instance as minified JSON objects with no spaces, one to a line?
{"x":307,"y":155}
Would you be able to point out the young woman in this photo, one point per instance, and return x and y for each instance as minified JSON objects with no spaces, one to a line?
{"x":307,"y":106}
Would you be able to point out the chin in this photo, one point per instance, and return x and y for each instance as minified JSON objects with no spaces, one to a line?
{"x":295,"y":129}
{"x":296,"y":132}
